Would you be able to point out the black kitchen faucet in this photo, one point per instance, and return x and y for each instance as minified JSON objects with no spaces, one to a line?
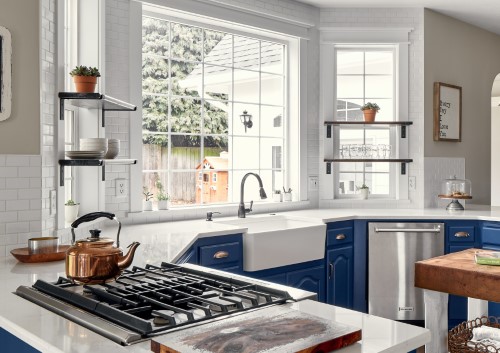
{"x":242,"y":211}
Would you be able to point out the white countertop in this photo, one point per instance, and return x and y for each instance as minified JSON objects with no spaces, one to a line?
{"x":49,"y":332}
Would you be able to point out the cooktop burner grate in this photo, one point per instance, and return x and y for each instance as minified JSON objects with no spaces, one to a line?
{"x":156,"y":299}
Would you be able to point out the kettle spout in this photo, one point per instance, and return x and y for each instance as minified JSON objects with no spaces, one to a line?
{"x":125,"y":261}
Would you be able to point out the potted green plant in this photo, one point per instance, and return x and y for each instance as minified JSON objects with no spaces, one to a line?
{"x":369,"y":111}
{"x":147,"y":204}
{"x":162,"y":197}
{"x":85,"y":78}
{"x":277,"y":196}
{"x":364,"y":190}
{"x":71,"y":211}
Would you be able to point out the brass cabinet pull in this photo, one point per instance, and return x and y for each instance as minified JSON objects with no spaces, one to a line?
{"x":221,"y":254}
{"x":462,"y":235}
{"x":340,"y":237}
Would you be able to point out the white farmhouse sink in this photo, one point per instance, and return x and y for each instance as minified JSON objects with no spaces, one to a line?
{"x":276,"y":240}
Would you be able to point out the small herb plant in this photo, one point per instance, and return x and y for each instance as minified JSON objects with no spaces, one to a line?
{"x":161,"y":196}
{"x":147,"y":195}
{"x":85,"y":71}
{"x":287,"y":192}
{"x":277,"y":192}
{"x":70,"y":202}
{"x":370,"y":106}
{"x":364,"y":186}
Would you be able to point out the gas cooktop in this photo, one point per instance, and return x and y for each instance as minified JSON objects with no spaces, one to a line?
{"x":149,"y":301}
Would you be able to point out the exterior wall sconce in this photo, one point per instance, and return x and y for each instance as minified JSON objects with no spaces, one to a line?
{"x":246,"y":119}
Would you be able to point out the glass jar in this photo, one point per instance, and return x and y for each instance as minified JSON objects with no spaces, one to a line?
{"x":454,"y":188}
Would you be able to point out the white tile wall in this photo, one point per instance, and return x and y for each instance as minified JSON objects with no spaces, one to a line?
{"x":391,"y":18}
{"x":437,"y":169}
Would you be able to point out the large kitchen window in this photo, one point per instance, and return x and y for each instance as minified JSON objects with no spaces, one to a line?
{"x":365,"y":75}
{"x":213,"y":108}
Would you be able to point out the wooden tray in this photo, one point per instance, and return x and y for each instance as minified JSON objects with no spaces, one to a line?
{"x":273,"y":329}
{"x":24,"y":255}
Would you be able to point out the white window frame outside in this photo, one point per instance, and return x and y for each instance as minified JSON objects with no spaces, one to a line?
{"x":296,"y":60}
{"x":330,"y":37}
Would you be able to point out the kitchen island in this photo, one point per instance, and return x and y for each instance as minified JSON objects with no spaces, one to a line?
{"x":49,"y":332}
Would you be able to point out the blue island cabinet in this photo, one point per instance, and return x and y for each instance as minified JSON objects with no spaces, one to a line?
{"x":490,"y":232}
{"x":11,"y":344}
{"x":340,"y":264}
{"x":223,"y":253}
{"x":459,"y":235}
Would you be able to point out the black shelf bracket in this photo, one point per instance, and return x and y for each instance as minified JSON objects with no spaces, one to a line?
{"x":403,"y":132}
{"x":403,"y":168}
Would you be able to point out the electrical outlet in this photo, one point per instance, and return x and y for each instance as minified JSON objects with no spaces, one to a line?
{"x":53,"y":202}
{"x":412,"y":183}
{"x":313,"y":183}
{"x":121,"y":187}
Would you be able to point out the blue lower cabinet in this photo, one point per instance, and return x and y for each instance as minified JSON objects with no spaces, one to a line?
{"x":309,"y":276}
{"x":11,"y":344}
{"x":339,"y":276}
{"x":223,"y":253}
{"x":309,"y":279}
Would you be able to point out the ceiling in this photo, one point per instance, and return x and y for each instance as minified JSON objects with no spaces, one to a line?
{"x":481,"y":13}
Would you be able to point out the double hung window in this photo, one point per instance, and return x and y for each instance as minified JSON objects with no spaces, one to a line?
{"x":362,"y":75}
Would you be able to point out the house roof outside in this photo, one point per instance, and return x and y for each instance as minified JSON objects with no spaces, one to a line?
{"x":214,"y":162}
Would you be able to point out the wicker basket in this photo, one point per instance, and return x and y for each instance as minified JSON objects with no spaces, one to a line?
{"x":459,"y":336}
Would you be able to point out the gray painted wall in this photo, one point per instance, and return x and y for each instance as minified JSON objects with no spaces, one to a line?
{"x":461,"y":54}
{"x":20,"y":134}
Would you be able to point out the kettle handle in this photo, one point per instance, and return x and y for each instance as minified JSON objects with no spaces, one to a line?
{"x":89,"y":217}
{"x":93,"y":216}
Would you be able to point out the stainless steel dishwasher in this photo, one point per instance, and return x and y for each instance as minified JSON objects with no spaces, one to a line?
{"x":393,"y":249}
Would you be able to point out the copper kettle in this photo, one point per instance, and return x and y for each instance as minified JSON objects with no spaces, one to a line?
{"x":95,"y":259}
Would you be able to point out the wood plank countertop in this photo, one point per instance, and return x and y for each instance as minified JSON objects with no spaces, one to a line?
{"x":458,"y":274}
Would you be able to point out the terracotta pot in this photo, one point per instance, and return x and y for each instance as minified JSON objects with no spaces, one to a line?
{"x":369,"y":115}
{"x":85,"y":84}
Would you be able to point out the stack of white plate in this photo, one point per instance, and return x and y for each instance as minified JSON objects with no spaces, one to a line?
{"x":94,"y":144}
{"x":113,"y":148}
{"x":85,"y":154}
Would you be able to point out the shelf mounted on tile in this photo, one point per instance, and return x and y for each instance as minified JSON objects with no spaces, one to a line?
{"x":93,"y":101}
{"x":91,"y":162}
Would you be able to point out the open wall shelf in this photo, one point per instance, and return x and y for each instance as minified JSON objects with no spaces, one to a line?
{"x":400,"y":123}
{"x":91,"y":162}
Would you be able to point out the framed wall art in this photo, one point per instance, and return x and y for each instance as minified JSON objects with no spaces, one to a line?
{"x":447,"y":112}
{"x":5,"y":73}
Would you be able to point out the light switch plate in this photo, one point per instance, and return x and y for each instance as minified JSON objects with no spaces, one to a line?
{"x":121,"y":187}
{"x":412,"y":183}
{"x":313,"y":183}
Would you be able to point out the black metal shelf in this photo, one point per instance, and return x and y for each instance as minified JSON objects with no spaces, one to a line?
{"x":93,"y":101}
{"x":93,"y":163}
{"x":403,"y":162}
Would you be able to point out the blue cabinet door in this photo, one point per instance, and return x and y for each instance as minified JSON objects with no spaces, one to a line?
{"x":11,"y":344}
{"x":339,"y":273}
{"x":491,"y":241}
{"x":310,"y":279}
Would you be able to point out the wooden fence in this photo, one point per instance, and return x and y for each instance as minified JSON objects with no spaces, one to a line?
{"x":183,"y":191}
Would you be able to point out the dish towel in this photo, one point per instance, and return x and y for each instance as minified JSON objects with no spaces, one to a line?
{"x":488,"y":336}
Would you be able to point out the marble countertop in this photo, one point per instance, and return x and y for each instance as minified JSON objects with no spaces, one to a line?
{"x":49,"y":332}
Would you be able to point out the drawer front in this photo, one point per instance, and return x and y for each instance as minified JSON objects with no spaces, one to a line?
{"x":340,"y":236}
{"x":491,"y":235}
{"x":219,"y":254}
{"x":457,"y":234}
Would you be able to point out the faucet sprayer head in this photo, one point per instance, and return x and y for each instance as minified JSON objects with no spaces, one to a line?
{"x":262,"y":193}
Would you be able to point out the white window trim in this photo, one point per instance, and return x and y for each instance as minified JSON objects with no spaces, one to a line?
{"x":297,"y":57}
{"x":329,"y":38}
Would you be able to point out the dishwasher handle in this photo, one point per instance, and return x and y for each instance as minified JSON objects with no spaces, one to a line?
{"x":436,"y":229}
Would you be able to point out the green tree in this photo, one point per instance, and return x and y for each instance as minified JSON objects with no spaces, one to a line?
{"x":186,"y":43}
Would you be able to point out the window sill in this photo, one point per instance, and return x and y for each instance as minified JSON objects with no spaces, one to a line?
{"x":199,"y":212}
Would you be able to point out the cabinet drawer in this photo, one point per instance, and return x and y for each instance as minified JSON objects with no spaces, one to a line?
{"x":340,"y":236}
{"x":457,"y":234}
{"x":220,"y":254}
{"x":491,"y":235}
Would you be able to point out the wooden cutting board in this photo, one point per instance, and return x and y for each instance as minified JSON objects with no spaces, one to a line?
{"x":271,"y":329}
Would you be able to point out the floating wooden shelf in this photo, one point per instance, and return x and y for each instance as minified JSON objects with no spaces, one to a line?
{"x":400,"y":123}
